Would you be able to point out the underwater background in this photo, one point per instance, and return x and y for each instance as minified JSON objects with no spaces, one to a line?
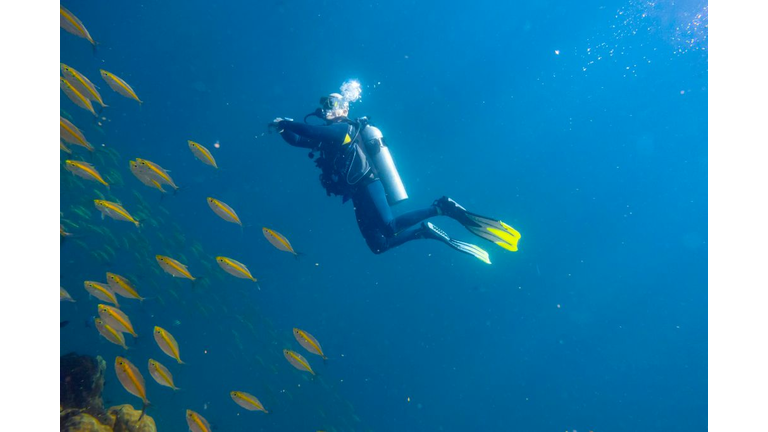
{"x":581,"y":124}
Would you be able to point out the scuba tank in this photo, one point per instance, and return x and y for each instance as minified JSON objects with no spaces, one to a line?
{"x":377,"y":153}
{"x":383,"y":165}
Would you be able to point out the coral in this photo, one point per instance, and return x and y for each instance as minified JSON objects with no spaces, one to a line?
{"x":81,"y":381}
{"x":73,"y":420}
{"x":125,"y":419}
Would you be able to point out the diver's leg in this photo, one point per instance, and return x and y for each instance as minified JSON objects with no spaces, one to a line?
{"x":371,"y":217}
{"x":412,"y":218}
{"x":376,"y":223}
{"x":394,"y":225}
{"x":427,"y":230}
{"x":370,"y":221}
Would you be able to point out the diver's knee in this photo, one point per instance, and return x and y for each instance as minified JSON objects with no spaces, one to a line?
{"x":377,"y":245}
{"x":377,"y":251}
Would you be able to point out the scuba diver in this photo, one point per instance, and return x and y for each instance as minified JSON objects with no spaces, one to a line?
{"x":356,"y":164}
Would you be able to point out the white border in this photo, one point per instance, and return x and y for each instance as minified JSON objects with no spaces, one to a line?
{"x":738,"y":191}
{"x":30,"y":184}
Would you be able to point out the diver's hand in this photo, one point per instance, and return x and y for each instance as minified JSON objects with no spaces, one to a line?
{"x":276,"y":124}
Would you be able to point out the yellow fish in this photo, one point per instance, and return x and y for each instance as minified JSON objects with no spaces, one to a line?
{"x":278,"y":241}
{"x":63,"y":232}
{"x":202,"y":153}
{"x":116,"y":319}
{"x":115,"y":211}
{"x":70,"y":23}
{"x":64,"y":295}
{"x":131,"y":379}
{"x":167,"y":343}
{"x":224,"y":211}
{"x":81,"y":84}
{"x":85,"y":170}
{"x":161,"y":374}
{"x":75,"y":96}
{"x":296,"y":360}
{"x":101,"y":291}
{"x":117,"y":84}
{"x":173,"y":267}
{"x":308,"y":342}
{"x":196,"y":422}
{"x":247,"y":401}
{"x":64,"y":148}
{"x":122,"y":286}
{"x":156,"y":172}
{"x":109,"y":333}
{"x":71,"y":134}
{"x":144,"y":177}
{"x":235,"y":268}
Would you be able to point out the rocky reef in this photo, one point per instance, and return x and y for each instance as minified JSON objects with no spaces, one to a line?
{"x":82,"y":408}
{"x":126,"y":419}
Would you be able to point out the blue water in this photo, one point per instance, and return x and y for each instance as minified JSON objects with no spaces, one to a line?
{"x":581,"y":124}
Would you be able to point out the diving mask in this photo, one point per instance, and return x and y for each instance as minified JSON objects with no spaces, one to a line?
{"x":333,"y":105}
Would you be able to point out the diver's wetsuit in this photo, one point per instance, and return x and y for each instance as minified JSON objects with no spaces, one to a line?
{"x":346,"y":172}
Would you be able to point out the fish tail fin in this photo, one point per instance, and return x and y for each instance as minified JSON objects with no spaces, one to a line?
{"x":143,"y":411}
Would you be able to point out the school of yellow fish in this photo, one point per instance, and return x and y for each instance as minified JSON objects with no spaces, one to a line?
{"x":112,"y":323}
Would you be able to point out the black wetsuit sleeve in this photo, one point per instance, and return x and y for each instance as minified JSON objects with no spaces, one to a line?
{"x":309,"y":136}
{"x":298,"y":140}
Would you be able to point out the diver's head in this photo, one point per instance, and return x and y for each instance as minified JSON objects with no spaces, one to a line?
{"x":334,"y":107}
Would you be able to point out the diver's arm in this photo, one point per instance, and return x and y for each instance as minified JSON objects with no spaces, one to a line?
{"x":297,"y":140}
{"x":300,"y":133}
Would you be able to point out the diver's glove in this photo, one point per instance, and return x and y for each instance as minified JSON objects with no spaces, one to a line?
{"x":276,"y":124}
